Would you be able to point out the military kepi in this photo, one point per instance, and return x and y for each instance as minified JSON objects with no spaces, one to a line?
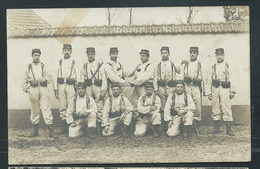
{"x":219,"y":50}
{"x":165,"y":48}
{"x":145,"y":51}
{"x":148,"y":85}
{"x":113,"y":49}
{"x":90,"y":49}
{"x":36,"y":51}
{"x":193,"y":48}
{"x":180,"y":82}
{"x":67,"y":46}
{"x":81,"y":84}
{"x":115,"y":85}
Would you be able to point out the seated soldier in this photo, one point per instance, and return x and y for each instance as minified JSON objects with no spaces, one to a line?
{"x":82,"y":111}
{"x":179,"y":108}
{"x":149,"y":112}
{"x":117,"y":109}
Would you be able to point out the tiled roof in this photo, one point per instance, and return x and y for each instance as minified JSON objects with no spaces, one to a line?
{"x":24,"y":18}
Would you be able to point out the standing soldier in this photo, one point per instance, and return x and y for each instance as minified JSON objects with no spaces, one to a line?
{"x":82,"y":110}
{"x":117,"y":109}
{"x":179,"y":108}
{"x":142,"y":73}
{"x":114,"y":71}
{"x":221,"y":93}
{"x":165,"y":78}
{"x":93,"y":76}
{"x":64,"y":86}
{"x":36,"y":84}
{"x":148,"y":107}
{"x":192,"y":75}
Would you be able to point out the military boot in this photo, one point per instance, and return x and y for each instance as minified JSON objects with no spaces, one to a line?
{"x":125,"y":130}
{"x":64,"y":129}
{"x":155,"y":130}
{"x":216,"y":129}
{"x":91,"y":132}
{"x":229,"y":131}
{"x":34,"y":132}
{"x":186,"y":131}
{"x":99,"y":129}
{"x":51,"y":132}
{"x":195,"y":128}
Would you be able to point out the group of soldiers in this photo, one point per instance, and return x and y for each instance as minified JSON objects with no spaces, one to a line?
{"x":161,"y":100}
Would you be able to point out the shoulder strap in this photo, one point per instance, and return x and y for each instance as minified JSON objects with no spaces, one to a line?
{"x":154,"y":97}
{"x":86,"y":69}
{"x":96,"y":72}
{"x":87,"y":102}
{"x":173,"y":99}
{"x":42,"y":65}
{"x":159,"y":70}
{"x":187,"y":68}
{"x":60,"y":62}
{"x":199,"y":69}
{"x":110,"y":102}
{"x":173,"y":66}
{"x":143,"y":99}
{"x":146,"y":66}
{"x":214,"y":70}
{"x":109,"y":63}
{"x":227,"y":71}
{"x":185,"y":98}
{"x":72,"y":66}
{"x":30,"y":68}
{"x":74,"y":103}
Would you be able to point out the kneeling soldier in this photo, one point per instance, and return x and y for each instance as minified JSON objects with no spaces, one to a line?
{"x":38,"y":78}
{"x":117,"y":109}
{"x":148,"y":107}
{"x":82,"y":110}
{"x":179,"y":108}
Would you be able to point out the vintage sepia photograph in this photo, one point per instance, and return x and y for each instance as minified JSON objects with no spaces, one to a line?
{"x":128,"y":85}
{"x":128,"y":168}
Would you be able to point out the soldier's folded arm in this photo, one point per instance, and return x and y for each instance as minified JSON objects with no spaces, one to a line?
{"x":145,"y":76}
{"x":111,"y":74}
{"x":141,"y":108}
{"x":104,"y":80}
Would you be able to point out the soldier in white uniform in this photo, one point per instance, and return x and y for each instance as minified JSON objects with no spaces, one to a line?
{"x":64,"y":85}
{"x":165,"y":79}
{"x":179,"y":109}
{"x":191,"y":73}
{"x":93,"y":75}
{"x":148,"y":107}
{"x":222,"y":90}
{"x":117,"y":109}
{"x":35,"y":83}
{"x":142,"y":73}
{"x":114,"y":71}
{"x":81,"y":112}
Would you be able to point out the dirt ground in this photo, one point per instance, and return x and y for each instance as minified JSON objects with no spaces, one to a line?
{"x":116,"y":149}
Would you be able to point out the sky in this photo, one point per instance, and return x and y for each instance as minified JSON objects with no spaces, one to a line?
{"x":69,"y":17}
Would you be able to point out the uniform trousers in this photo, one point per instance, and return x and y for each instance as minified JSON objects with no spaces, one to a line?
{"x":77,"y":131}
{"x":221,"y":104}
{"x":40,"y":99}
{"x":174,"y":129}
{"x":66,"y":92}
{"x":143,"y":123}
{"x":94,"y":92}
{"x":195,"y":93}
{"x":113,"y":122}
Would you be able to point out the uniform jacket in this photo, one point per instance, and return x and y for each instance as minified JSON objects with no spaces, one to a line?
{"x":66,"y":69}
{"x":80,"y":108}
{"x":115,"y":105}
{"x":142,"y":73}
{"x":35,"y":72}
{"x":145,"y":102}
{"x":89,"y":69}
{"x":178,"y":104}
